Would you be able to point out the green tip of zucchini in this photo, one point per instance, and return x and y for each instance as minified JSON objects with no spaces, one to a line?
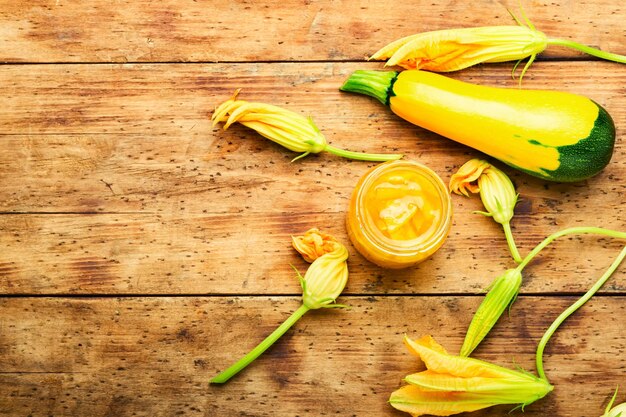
{"x":585,"y":158}
{"x":588,"y":156}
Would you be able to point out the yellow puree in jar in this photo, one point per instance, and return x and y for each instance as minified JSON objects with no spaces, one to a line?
{"x":400,"y":214}
{"x":403,"y":206}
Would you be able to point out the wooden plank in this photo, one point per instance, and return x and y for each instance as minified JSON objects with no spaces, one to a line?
{"x":174,"y":100}
{"x":215,"y":204}
{"x":154,"y":356}
{"x":168,"y":31}
{"x":121,"y":150}
{"x":251,"y":254}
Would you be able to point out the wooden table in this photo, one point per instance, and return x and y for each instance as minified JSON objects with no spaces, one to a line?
{"x":143,"y":250}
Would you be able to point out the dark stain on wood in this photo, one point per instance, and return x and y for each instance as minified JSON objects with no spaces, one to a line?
{"x":118,"y":406}
{"x":185,"y":335}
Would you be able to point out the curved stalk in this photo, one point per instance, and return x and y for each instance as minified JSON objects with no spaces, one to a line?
{"x":609,"y":56}
{"x":511,"y":242}
{"x":569,"y":231}
{"x":260,"y":348}
{"x":376,"y":157}
{"x":571,"y":309}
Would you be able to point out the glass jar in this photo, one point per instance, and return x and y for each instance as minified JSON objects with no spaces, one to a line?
{"x":400,"y":214}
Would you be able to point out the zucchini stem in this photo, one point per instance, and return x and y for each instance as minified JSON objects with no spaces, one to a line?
{"x":565,"y":232}
{"x":377,"y":84}
{"x":260,"y":348}
{"x":570,"y":310}
{"x":609,"y":56}
{"x":377,"y":157}
{"x":511,"y":242}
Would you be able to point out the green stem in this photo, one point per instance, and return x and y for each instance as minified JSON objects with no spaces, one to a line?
{"x":569,"y":231}
{"x":571,"y":309}
{"x":260,"y":348}
{"x":511,"y":242}
{"x":377,"y":157}
{"x":377,"y":84}
{"x":588,"y":50}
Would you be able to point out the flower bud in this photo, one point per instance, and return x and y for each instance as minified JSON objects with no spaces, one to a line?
{"x":496,"y":189}
{"x":498,"y":194}
{"x":288,"y":129}
{"x":284,"y":127}
{"x":502,"y":293}
{"x":328,"y":274}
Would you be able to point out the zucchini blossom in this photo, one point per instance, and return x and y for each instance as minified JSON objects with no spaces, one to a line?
{"x":321,"y":285}
{"x":453,"y":384}
{"x":504,"y":289}
{"x":328,"y":274}
{"x":496,"y":192}
{"x":456,"y":384}
{"x":313,"y":244}
{"x":284,"y":127}
{"x":455,"y":49}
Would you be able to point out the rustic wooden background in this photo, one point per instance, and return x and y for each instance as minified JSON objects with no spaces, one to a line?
{"x":142,"y":250}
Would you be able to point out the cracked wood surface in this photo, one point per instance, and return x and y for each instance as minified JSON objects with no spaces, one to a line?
{"x":144,"y":250}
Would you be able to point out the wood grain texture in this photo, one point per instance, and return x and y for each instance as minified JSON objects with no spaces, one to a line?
{"x":138,"y":138}
{"x":152,"y":254}
{"x":143,"y":250}
{"x":272,"y":30}
{"x":174,"y":206}
{"x":154,"y":356}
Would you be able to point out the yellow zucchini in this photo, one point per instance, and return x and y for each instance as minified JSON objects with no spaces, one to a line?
{"x":553,"y":135}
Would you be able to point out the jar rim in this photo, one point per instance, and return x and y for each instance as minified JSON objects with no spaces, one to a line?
{"x":414,"y":246}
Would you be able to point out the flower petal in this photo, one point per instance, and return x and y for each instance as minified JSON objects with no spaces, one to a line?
{"x":504,"y":391}
{"x":455,"y":49}
{"x":468,"y":173}
{"x":414,"y":400}
{"x":313,"y":244}
{"x":439,"y":361}
{"x":291,"y":130}
{"x":388,"y":50}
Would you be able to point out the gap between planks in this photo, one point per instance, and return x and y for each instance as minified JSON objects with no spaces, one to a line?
{"x":275,"y":61}
{"x":564,"y":294}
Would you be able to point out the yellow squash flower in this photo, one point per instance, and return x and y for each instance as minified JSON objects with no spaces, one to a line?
{"x":496,"y":192}
{"x":452,"y":384}
{"x":328,"y":274}
{"x":321,"y":285}
{"x":286,"y":128}
{"x":496,"y":189}
{"x":313,"y":244}
{"x":455,"y":49}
